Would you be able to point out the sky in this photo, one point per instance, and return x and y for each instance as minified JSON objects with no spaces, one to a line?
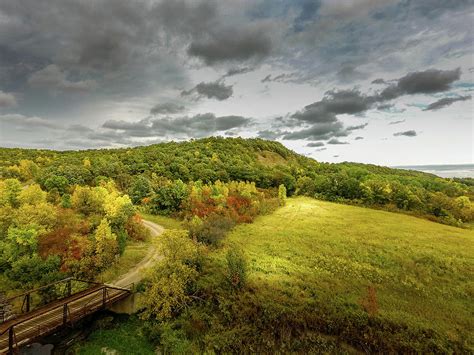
{"x":387,"y":82}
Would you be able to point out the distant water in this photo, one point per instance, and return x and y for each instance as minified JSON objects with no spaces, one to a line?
{"x":446,"y":171}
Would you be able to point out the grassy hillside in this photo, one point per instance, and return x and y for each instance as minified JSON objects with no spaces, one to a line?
{"x":359,"y":274}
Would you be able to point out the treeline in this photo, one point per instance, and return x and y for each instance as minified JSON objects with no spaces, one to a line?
{"x":45,"y":236}
{"x":265,"y":163}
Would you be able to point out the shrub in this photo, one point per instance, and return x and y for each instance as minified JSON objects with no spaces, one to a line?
{"x":135,"y":229}
{"x":211,"y":230}
{"x":282,"y":194}
{"x":236,"y":268}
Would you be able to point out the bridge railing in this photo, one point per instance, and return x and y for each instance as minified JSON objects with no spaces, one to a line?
{"x":32,"y":299}
{"x":23,"y":330}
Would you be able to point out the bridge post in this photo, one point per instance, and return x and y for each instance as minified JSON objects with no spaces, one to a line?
{"x":65,"y":314}
{"x":68,"y":288}
{"x":104,"y":296}
{"x":28,"y":302}
{"x":10,"y":340}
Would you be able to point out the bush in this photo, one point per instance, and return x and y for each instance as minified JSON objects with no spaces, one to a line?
{"x":211,"y":230}
{"x":168,"y":198}
{"x":135,"y":229}
{"x":236,"y":268}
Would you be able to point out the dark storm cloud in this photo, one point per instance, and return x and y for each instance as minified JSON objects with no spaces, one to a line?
{"x":318,"y":132}
{"x":269,"y":134}
{"x":446,"y":101}
{"x":323,"y":114}
{"x":396,"y":122}
{"x":167,"y":108}
{"x":281,"y":78}
{"x":425,"y":82}
{"x":336,"y":141}
{"x":213,"y":90}
{"x":238,"y":71}
{"x":200,"y":125}
{"x":315,"y":144}
{"x":232,"y":44}
{"x":410,"y":133}
{"x":216,"y":90}
{"x":334,"y":103}
{"x":51,"y":77}
{"x":378,"y":81}
{"x":384,"y":107}
{"x":354,"y":128}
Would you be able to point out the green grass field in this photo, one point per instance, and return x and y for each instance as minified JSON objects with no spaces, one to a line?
{"x":422,"y":272}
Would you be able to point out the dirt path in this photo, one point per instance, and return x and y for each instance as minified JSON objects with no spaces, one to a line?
{"x":136,"y":274}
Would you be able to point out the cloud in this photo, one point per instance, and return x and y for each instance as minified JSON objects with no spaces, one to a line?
{"x":213,"y":90}
{"x":7,"y":100}
{"x":349,"y":74}
{"x":323,"y":115}
{"x":200,"y":125}
{"x":28,"y":122}
{"x":232,"y":44}
{"x":319,"y":131}
{"x":238,"y":71}
{"x":51,"y":77}
{"x":396,"y":122}
{"x":167,"y":108}
{"x":332,"y":104}
{"x":446,"y":101}
{"x":336,"y":141}
{"x":281,"y":78}
{"x":354,"y":128}
{"x":358,"y":138}
{"x":268,"y":134}
{"x":315,"y":144}
{"x":424,"y":82}
{"x":378,"y":81}
{"x":410,"y":133}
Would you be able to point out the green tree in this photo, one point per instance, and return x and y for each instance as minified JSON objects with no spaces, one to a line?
{"x":106,"y":246}
{"x":89,"y":200}
{"x":9,"y":192}
{"x":32,"y":195}
{"x":141,"y":188}
{"x":58,"y":183}
{"x":169,"y":198}
{"x":171,"y":282}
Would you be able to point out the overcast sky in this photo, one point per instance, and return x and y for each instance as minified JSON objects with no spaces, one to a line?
{"x":375,"y":81}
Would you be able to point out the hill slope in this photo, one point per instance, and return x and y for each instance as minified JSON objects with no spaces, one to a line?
{"x":370,"y":277}
{"x":267,"y":163}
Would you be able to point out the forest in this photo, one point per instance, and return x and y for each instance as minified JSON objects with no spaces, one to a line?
{"x":146,"y":172}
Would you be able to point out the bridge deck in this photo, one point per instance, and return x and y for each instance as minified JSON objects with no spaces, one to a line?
{"x":64,"y":312}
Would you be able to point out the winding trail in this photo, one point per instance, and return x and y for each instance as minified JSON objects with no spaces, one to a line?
{"x":136,"y":274}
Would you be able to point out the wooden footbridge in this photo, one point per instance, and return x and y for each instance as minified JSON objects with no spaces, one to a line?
{"x":45,"y":310}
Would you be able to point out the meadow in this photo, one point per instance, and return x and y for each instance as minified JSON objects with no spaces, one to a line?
{"x":324,"y":277}
{"x":398,"y":269}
